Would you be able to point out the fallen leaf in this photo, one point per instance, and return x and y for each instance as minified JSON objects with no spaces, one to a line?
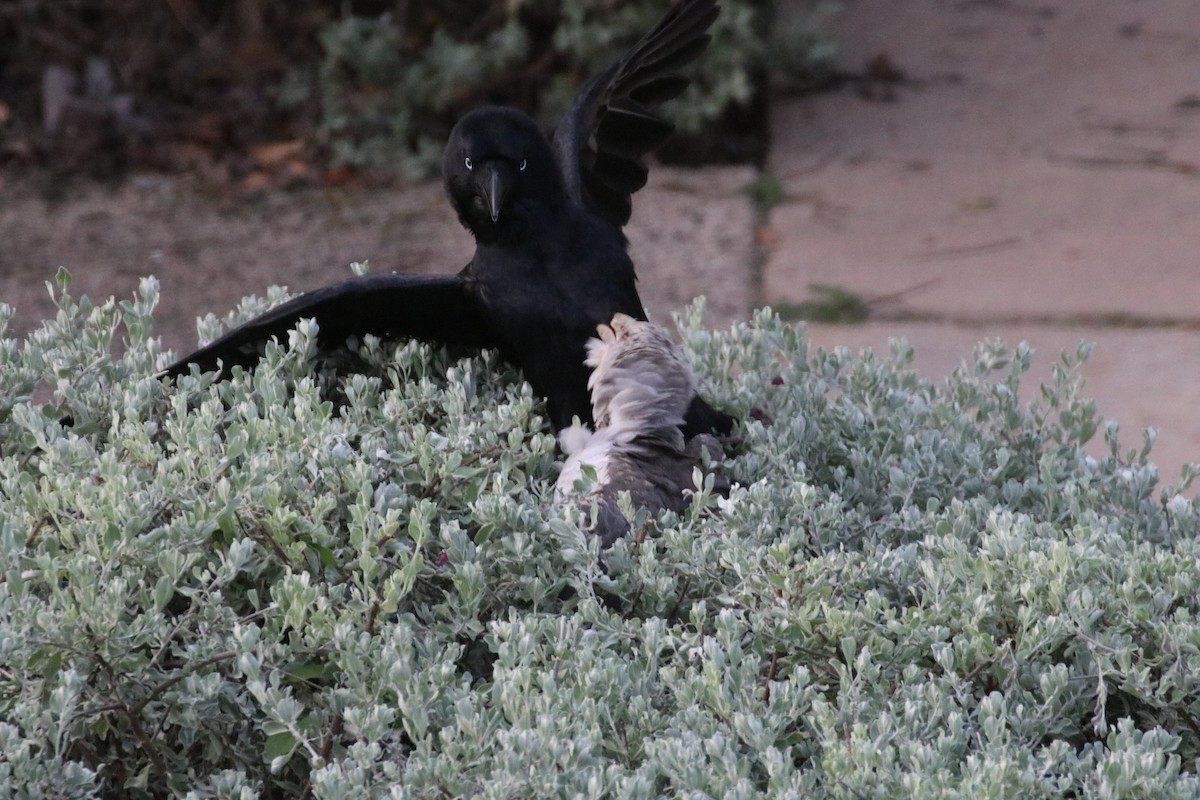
{"x":276,"y":154}
{"x":298,"y":168}
{"x":255,"y":182}
{"x":766,"y":237}
{"x":341,"y":177}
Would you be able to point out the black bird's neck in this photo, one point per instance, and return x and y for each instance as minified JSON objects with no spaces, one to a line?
{"x":523,"y":226}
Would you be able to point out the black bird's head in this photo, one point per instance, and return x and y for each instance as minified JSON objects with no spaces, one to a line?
{"x":497,"y":168}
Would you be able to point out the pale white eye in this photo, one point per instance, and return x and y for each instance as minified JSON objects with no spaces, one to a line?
{"x":524,"y":164}
{"x":468,"y":163}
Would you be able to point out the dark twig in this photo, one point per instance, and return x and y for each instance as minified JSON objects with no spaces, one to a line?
{"x":772,"y":670}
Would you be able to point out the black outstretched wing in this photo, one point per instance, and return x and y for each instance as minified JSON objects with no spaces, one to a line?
{"x":439,"y":308}
{"x":611,"y":123}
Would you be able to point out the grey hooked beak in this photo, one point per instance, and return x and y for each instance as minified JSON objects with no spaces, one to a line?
{"x":493,"y":188}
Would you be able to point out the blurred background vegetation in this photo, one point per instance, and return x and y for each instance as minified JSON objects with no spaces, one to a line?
{"x":308,"y":91}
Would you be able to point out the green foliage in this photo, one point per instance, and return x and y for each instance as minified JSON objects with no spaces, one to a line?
{"x":378,"y":103}
{"x":767,"y":191}
{"x":390,"y":89}
{"x":356,"y":584}
{"x":831,"y":304}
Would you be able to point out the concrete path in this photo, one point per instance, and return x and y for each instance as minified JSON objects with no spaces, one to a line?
{"x":1035,"y":176}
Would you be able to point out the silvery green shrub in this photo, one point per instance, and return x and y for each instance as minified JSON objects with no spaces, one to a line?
{"x":389,"y":88}
{"x":312,"y":580}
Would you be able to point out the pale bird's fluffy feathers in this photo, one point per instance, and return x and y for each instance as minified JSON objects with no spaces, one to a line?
{"x":641,"y":387}
{"x":639,"y":382}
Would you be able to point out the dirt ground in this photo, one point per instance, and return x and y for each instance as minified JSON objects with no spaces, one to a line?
{"x":691,"y":235}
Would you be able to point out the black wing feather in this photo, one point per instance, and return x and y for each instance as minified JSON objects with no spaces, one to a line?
{"x":628,"y":130}
{"x":660,"y":90}
{"x":619,"y":174}
{"x":435,"y":308}
{"x":611,"y":119}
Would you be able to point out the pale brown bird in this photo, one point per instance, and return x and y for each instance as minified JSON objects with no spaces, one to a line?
{"x":640,"y":388}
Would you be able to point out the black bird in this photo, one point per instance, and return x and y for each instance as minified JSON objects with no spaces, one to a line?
{"x":550,"y":262}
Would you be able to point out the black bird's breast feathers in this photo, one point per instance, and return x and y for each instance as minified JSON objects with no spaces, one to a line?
{"x":543,"y":301}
